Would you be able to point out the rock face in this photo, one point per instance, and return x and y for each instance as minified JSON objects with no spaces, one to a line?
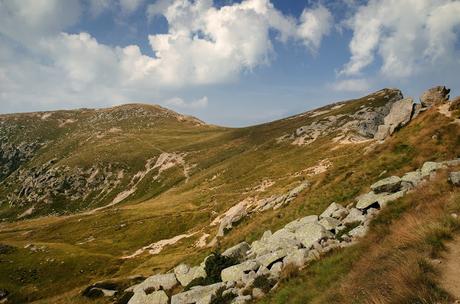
{"x":400,"y":114}
{"x":13,"y":156}
{"x":434,"y":96}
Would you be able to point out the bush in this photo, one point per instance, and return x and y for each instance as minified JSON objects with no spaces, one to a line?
{"x":264,"y":282}
{"x":214,"y":265}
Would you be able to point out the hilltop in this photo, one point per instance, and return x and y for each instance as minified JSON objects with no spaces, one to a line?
{"x":89,"y":195}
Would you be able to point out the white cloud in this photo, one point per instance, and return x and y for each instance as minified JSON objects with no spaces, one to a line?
{"x":178,"y":102}
{"x":315,"y":24}
{"x":204,"y":45}
{"x":351,"y":85}
{"x":409,"y":36}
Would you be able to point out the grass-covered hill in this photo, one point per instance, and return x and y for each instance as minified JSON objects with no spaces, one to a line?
{"x":90,"y":195}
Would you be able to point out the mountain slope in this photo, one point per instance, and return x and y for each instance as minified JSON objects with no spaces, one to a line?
{"x":183,"y":181}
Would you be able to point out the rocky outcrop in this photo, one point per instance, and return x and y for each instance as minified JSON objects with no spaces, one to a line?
{"x":435,"y":95}
{"x":12,"y":156}
{"x":400,"y":114}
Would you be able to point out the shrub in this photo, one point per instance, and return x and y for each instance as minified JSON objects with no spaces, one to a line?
{"x":264,"y":282}
{"x":214,"y":265}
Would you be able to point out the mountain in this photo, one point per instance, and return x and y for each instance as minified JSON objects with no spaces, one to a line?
{"x":104,"y":195}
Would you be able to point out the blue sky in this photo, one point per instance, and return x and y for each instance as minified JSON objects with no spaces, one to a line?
{"x":232,"y":63}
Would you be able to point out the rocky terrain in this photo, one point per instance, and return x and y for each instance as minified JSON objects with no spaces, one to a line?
{"x":138,"y":204}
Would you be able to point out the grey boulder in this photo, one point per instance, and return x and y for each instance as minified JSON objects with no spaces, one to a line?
{"x":390,"y":184}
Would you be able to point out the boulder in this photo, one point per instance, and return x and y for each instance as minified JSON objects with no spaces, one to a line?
{"x":258,"y":293}
{"x":276,"y":269}
{"x":270,"y":258}
{"x":296,"y":224}
{"x":238,"y":251}
{"x":310,"y":233}
{"x":157,"y":282}
{"x":354,"y":216}
{"x":390,"y":184}
{"x":297,"y":257}
{"x":242,"y":299}
{"x":198,"y":294}
{"x":454,"y":178}
{"x":235,"y":272}
{"x":400,"y":114}
{"x":430,"y":167}
{"x":372,"y":200}
{"x":434,"y":96}
{"x":330,"y":223}
{"x":156,"y":297}
{"x":411,"y":179}
{"x":358,"y":231}
{"x":185,"y":274}
{"x":281,"y":239}
{"x":335,"y":211}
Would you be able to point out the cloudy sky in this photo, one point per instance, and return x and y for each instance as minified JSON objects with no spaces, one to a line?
{"x":228,"y":62}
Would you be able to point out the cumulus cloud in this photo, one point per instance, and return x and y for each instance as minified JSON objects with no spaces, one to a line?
{"x":409,"y":36}
{"x":204,"y":45}
{"x":351,"y":85}
{"x":178,"y":102}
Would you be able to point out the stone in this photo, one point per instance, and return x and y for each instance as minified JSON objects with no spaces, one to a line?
{"x":156,"y":297}
{"x":270,"y":258}
{"x":281,"y":239}
{"x":354,"y":216}
{"x":372,"y":200}
{"x":400,"y":114}
{"x":435,"y":95}
{"x":157,"y":282}
{"x":330,"y":223}
{"x":238,"y":251}
{"x":296,"y":224}
{"x":297,"y":257}
{"x":235,"y":272}
{"x":454,"y":178}
{"x":430,"y":167}
{"x":390,"y":184}
{"x":310,"y":233}
{"x":198,"y":294}
{"x":335,"y":211}
{"x":186,"y":274}
{"x":275,"y":270}
{"x":411,"y":179}
{"x":358,"y":231}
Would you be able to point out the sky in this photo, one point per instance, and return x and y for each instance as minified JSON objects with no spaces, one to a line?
{"x":232,"y":63}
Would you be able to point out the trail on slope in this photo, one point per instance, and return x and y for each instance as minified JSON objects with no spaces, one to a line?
{"x":450,"y":269}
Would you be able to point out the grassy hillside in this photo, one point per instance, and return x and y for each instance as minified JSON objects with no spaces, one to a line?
{"x":74,"y":246}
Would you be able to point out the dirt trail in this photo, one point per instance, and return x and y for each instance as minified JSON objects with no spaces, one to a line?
{"x":450,"y":269}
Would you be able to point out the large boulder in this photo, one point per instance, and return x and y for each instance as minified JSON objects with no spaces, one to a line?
{"x":400,"y":114}
{"x":434,"y":96}
{"x":236,"y":272}
{"x":296,"y":224}
{"x":270,"y":258}
{"x":330,"y":223}
{"x":377,"y":200}
{"x":156,"y":297}
{"x":411,"y":179}
{"x":430,"y":167}
{"x":335,"y":211}
{"x":198,"y":294}
{"x":311,"y":233}
{"x":238,"y":252}
{"x":354,"y":216}
{"x":297,"y":257}
{"x":281,"y":239}
{"x":390,"y":184}
{"x":185,"y":274}
{"x":157,"y":282}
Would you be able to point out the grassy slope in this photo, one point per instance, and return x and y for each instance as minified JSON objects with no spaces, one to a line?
{"x":240,"y":159}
